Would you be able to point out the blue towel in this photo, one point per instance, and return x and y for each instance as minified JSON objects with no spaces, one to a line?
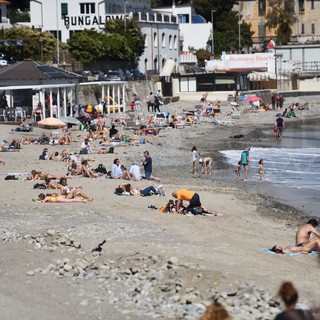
{"x":286,"y":254}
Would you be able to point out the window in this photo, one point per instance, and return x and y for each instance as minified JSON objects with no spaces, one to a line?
{"x":145,"y":40}
{"x":163,"y":40}
{"x":64,"y":9}
{"x":170,"y":42}
{"x":312,"y":4}
{"x":87,"y":8}
{"x":313,"y":28}
{"x":302,"y":28}
{"x":155,"y":39}
{"x":301,"y":5}
{"x":261,"y":31}
{"x":183,"y":18}
{"x":262,"y":7}
{"x":175,"y":42}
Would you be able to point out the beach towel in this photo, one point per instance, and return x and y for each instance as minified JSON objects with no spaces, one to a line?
{"x":286,"y":254}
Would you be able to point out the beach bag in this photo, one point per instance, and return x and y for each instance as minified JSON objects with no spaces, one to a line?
{"x":39,"y":186}
{"x":10,"y":177}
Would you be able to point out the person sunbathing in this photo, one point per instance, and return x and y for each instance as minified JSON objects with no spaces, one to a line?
{"x":51,"y":185}
{"x":312,"y":246}
{"x":38,"y":175}
{"x":58,"y":199}
{"x":72,"y":192}
{"x":55,"y":156}
{"x":86,"y":170}
{"x":148,"y":191}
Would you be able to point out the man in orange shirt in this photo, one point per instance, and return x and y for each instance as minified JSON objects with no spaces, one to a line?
{"x":187,"y":195}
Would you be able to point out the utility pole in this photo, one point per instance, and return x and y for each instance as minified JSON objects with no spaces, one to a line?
{"x":212,"y":45}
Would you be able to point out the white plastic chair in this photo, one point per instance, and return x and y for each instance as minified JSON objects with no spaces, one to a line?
{"x":19,"y":113}
{"x":4,"y":115}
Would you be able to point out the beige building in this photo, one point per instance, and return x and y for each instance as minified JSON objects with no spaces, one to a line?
{"x":306,"y":29}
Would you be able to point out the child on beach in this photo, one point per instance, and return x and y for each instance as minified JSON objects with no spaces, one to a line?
{"x":261,"y":170}
{"x":237,"y":170}
{"x":194,"y":160}
{"x":276,"y":131}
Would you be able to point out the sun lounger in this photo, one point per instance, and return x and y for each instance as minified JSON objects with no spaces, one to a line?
{"x":223,"y":122}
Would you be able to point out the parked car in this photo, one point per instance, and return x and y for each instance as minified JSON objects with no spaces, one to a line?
{"x":137,"y":75}
{"x":114,"y":75}
{"x":152,"y":74}
{"x":3,"y":63}
{"x":128,"y":75}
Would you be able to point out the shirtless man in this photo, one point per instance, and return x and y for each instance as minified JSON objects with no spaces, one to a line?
{"x":207,"y":165}
{"x":303,"y":235}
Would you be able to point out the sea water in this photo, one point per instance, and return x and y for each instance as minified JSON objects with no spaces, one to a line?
{"x":292,"y":168}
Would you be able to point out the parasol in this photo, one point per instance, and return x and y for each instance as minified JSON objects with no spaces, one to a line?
{"x":51,"y":123}
{"x":71,"y":120}
{"x":253,"y":98}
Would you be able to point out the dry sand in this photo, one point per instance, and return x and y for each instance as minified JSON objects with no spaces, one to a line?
{"x":226,"y":249}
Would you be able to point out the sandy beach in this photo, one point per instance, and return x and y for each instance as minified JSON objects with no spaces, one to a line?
{"x":153,"y":265}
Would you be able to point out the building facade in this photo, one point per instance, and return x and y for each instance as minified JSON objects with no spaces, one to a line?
{"x":306,"y":29}
{"x":4,"y":21}
{"x":64,"y":17}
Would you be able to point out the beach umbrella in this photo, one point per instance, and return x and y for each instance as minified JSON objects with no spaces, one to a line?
{"x":253,"y":98}
{"x":71,"y":120}
{"x":51,"y":123}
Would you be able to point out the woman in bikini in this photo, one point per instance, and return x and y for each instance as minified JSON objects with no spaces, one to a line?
{"x":58,"y":199}
{"x":148,"y":191}
{"x":312,"y":246}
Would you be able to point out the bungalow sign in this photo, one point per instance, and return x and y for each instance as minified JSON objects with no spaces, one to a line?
{"x":93,"y":20}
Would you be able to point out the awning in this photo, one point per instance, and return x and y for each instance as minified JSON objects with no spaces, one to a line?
{"x":168,"y":68}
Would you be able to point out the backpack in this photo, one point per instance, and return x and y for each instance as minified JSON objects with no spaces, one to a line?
{"x":101,"y":169}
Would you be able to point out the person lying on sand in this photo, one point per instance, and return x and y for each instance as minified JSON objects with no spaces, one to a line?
{"x":311,"y":246}
{"x":38,"y":175}
{"x":58,"y":199}
{"x":148,"y":191}
{"x":51,"y":185}
{"x":303,"y":235}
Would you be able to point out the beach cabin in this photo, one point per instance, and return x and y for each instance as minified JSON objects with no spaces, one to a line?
{"x":30,"y":89}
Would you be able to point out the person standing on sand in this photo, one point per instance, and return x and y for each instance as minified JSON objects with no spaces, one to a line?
{"x":245,"y":162}
{"x":237,"y":170}
{"x":303,"y":235}
{"x":280,"y":125}
{"x":194,"y":160}
{"x":147,"y":164}
{"x":261,"y":170}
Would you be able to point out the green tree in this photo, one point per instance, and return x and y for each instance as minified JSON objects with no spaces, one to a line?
{"x":37,"y":45}
{"x":87,"y":45}
{"x":281,"y":17}
{"x":118,"y":42}
{"x":203,"y":55}
{"x":18,"y":11}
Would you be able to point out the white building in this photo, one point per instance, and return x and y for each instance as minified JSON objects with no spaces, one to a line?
{"x":64,"y":17}
{"x":4,"y":21}
{"x":195,"y":31}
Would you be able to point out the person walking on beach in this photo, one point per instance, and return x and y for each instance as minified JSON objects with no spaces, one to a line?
{"x":303,"y":235}
{"x":194,"y":160}
{"x":245,"y":162}
{"x":261,"y":170}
